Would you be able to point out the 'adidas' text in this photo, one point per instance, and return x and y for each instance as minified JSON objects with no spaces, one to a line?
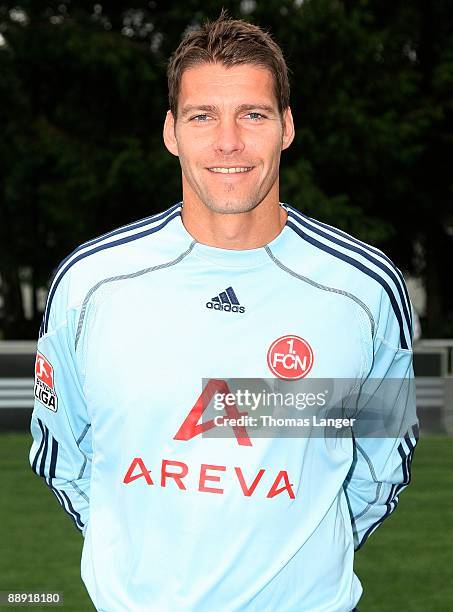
{"x":227,"y":301}
{"x":227,"y":307}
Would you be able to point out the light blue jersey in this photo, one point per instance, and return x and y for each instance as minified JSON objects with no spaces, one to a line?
{"x":175,"y":520}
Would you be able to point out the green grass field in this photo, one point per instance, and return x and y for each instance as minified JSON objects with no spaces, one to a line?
{"x":406,"y":566}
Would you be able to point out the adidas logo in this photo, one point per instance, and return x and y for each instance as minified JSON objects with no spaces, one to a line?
{"x":227,"y":301}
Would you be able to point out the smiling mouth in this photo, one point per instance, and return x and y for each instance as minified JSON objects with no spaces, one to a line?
{"x":235,"y":170}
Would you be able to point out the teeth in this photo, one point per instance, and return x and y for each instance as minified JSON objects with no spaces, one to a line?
{"x":229,"y":170}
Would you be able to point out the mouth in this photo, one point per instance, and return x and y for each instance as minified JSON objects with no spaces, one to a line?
{"x":232,"y":170}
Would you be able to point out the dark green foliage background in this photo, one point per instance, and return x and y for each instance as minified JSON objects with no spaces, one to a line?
{"x":83,"y":97}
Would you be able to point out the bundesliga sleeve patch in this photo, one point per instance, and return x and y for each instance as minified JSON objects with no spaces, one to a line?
{"x":44,"y":383}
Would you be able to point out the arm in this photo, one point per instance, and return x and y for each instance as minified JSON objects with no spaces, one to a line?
{"x":61,"y":451}
{"x":384,"y":440}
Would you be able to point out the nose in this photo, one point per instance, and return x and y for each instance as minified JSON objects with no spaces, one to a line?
{"x":228,"y":137}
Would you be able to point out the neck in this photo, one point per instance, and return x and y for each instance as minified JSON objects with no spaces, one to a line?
{"x":248,"y":230}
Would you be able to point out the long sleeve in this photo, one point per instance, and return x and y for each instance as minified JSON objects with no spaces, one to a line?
{"x":61,"y":452}
{"x":384,"y":439}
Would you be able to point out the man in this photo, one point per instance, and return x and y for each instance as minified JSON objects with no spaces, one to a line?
{"x":145,"y":325}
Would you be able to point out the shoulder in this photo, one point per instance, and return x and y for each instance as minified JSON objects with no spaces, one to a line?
{"x":338,"y":259}
{"x":120,"y":251}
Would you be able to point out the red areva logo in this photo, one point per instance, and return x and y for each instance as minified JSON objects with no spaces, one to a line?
{"x":290,"y":357}
{"x":172,"y":473}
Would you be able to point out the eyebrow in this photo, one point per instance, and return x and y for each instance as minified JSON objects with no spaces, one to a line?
{"x":209,"y":108}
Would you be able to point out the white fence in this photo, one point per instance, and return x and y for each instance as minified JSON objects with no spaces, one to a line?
{"x":433,"y":361}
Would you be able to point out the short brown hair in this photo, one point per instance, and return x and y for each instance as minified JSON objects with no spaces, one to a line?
{"x":230,"y":42}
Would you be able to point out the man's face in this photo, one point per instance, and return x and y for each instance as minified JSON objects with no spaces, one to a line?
{"x":229,"y":136}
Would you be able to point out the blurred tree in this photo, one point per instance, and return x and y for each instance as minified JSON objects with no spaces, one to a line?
{"x":83,"y":96}
{"x":81,"y":106}
{"x":372,"y":93}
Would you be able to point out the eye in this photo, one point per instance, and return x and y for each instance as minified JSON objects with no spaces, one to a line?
{"x":200,"y":118}
{"x":255,"y":116}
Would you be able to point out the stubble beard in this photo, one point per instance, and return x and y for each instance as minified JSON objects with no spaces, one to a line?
{"x":226,"y":204}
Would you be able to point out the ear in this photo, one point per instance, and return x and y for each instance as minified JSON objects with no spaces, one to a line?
{"x":169,"y":134}
{"x":288,"y":128}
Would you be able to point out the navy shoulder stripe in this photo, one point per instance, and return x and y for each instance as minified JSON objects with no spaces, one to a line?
{"x":406,"y":463}
{"x":371,"y":258}
{"x":38,"y":452}
{"x":363,"y":247}
{"x":42,"y":466}
{"x":368,"y":247}
{"x":95,"y":247}
{"x":75,"y":516}
{"x":120,"y":230}
{"x":72,"y":510}
{"x":359,"y":266}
